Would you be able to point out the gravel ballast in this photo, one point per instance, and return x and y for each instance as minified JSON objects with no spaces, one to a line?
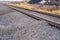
{"x":17,"y":26}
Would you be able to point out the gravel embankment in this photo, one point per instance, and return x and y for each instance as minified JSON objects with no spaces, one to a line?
{"x":17,"y":26}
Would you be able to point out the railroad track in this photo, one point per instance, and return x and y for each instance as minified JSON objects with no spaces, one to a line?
{"x":17,"y":26}
{"x":55,"y":21}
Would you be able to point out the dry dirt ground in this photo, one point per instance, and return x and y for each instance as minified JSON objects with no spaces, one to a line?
{"x":17,"y":26}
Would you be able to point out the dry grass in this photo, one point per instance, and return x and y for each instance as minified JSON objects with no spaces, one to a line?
{"x":42,"y":8}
